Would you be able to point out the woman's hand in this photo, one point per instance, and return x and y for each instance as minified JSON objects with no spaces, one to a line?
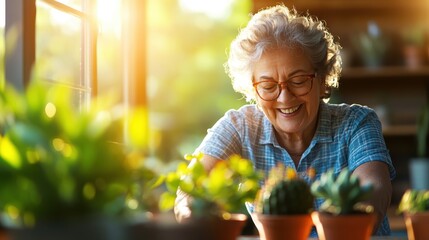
{"x":182,"y":210}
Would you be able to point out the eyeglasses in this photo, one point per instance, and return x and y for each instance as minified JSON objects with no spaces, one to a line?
{"x":297,"y":85}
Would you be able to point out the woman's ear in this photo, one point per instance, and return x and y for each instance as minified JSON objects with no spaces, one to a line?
{"x":325,"y":90}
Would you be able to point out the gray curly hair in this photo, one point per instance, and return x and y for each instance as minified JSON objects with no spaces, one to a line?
{"x":279,"y":27}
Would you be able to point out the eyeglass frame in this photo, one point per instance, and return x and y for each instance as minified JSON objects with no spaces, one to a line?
{"x":310,"y":76}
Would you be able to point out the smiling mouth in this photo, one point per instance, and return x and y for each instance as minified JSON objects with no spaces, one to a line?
{"x":289,"y":110}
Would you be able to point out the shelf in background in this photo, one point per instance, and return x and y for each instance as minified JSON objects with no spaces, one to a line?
{"x":391,"y":71}
{"x":339,"y":6}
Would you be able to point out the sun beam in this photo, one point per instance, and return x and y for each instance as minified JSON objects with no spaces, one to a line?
{"x":215,"y":9}
{"x":109,"y":15}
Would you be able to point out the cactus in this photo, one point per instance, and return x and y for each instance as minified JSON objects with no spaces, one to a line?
{"x":284,"y":194}
{"x":289,"y":197}
{"x":343,"y":194}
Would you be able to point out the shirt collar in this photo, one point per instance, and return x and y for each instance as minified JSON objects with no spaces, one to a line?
{"x":323,"y":131}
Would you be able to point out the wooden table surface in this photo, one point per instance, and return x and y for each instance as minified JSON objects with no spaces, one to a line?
{"x":372,"y":238}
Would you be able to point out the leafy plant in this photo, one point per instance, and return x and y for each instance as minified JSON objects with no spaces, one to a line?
{"x":58,"y":163}
{"x":414,"y":201}
{"x":284,"y":193}
{"x":225,"y":189}
{"x":422,"y":131}
{"x":414,"y":36}
{"x":343,"y":194}
{"x":372,"y":45}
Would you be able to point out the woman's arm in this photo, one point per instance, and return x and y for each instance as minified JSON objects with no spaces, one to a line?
{"x":181,"y":206}
{"x":377,"y":173}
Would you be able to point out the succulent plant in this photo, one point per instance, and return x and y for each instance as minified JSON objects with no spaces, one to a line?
{"x":284,"y":193}
{"x":343,"y":194}
{"x":414,"y":201}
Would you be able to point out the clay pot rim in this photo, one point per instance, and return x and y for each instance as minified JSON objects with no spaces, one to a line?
{"x":282,"y":215}
{"x":425,"y":213}
{"x":327,"y":214}
{"x":235,"y":217}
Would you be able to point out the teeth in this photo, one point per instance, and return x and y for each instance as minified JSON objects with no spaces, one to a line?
{"x":289,"y":110}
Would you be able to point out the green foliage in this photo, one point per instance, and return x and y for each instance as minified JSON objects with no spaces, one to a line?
{"x":284,"y":193}
{"x":414,"y":201}
{"x":372,"y":45}
{"x":57,"y":163}
{"x":343,"y":194}
{"x":226,"y":188}
{"x":414,"y":36}
{"x":422,"y":131}
{"x":186,"y":79}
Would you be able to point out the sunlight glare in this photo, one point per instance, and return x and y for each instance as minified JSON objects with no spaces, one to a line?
{"x":215,"y":9}
{"x":109,"y":16}
{"x":2,"y":13}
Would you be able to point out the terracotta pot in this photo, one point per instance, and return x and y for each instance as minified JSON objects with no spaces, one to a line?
{"x":82,"y":229}
{"x":191,"y":229}
{"x":230,"y":229}
{"x":350,"y":227}
{"x":413,"y":56}
{"x":277,"y":227}
{"x":4,"y":235}
{"x":417,"y":225}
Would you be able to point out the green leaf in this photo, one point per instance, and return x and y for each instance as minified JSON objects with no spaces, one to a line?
{"x":9,"y":153}
{"x":167,"y":201}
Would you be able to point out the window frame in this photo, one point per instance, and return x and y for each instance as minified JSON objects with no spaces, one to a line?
{"x":19,"y":64}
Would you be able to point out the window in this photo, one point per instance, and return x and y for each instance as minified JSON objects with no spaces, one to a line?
{"x":185,"y":42}
{"x":66,"y":43}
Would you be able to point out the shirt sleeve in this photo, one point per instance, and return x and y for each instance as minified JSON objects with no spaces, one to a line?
{"x":223,"y":139}
{"x":367,"y":141}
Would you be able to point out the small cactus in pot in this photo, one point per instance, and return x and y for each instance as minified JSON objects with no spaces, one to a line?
{"x":343,"y":215}
{"x":343,"y":194}
{"x":284,"y":193}
{"x":284,"y":203}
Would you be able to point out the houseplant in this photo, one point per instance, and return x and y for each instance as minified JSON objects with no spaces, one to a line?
{"x":342,"y":214}
{"x":283,"y":206}
{"x":372,"y":45}
{"x":414,"y":205}
{"x":64,"y":173}
{"x":419,"y":166}
{"x":414,"y":46}
{"x":218,"y":196}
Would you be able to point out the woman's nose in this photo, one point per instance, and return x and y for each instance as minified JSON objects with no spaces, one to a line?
{"x":285,"y":94}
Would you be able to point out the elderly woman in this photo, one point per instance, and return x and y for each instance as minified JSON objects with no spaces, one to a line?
{"x":286,"y":64}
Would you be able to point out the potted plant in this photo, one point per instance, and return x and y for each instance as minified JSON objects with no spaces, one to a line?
{"x":371,"y":45}
{"x":64,"y":173}
{"x":414,"y":205}
{"x":342,"y":214}
{"x":283,"y":206}
{"x":413,"y":46}
{"x":218,"y":196}
{"x":419,"y":167}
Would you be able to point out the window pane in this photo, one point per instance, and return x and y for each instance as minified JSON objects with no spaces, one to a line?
{"x":109,"y":48}
{"x":58,"y":49}
{"x":2,"y":46}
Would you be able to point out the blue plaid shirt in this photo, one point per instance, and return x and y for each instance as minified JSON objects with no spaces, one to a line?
{"x":346,"y":136}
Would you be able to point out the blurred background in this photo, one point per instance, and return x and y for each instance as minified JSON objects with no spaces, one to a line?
{"x":185,"y":44}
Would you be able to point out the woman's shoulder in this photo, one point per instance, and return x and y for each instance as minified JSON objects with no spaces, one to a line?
{"x":346,"y":116}
{"x":245,"y":117}
{"x":344,"y":110}
{"x":245,"y":112}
